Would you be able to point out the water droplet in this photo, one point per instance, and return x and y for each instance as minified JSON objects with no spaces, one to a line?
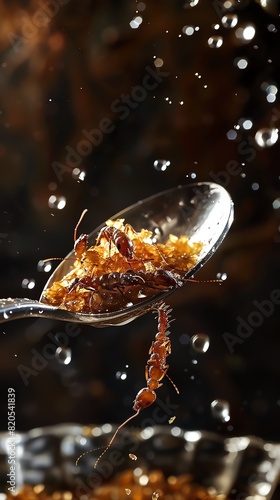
{"x":52,"y":186}
{"x":184,"y":339}
{"x":272,"y":28}
{"x":266,"y":137}
{"x":136,"y":21}
{"x":158,"y":62}
{"x":188,"y":30}
{"x":128,"y":491}
{"x":161,"y":165}
{"x":28,"y":283}
{"x":231,"y":135}
{"x":121,"y":375}
{"x":132,"y":456}
{"x":63,"y":355}
{"x":249,"y":33}
{"x":229,"y":20}
{"x":221,"y":276}
{"x":255,"y":186}
{"x":192,"y":175}
{"x":271,"y":97}
{"x":78,"y":175}
{"x":5,"y":315}
{"x":276,"y":205}
{"x":215,"y":42}
{"x":246,"y":123}
{"x":190,"y":3}
{"x":43,"y":266}
{"x":56,"y":201}
{"x":240,"y":62}
{"x":200,"y":342}
{"x":220,"y":410}
{"x":245,"y":34}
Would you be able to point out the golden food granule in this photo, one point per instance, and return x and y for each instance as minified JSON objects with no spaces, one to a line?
{"x":124,"y":486}
{"x":122,"y":270}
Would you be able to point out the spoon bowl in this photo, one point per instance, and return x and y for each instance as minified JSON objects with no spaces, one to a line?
{"x":202,"y":211}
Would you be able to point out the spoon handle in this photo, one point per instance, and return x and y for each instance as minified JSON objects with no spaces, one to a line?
{"x":11,"y":309}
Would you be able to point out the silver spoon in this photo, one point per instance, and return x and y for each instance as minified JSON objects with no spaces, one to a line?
{"x":203,"y":211}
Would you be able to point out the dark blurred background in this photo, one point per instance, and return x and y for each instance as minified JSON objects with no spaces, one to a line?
{"x":213,"y":115}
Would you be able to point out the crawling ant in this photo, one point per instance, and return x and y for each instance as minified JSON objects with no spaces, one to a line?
{"x":156,"y":369}
{"x":129,"y":285}
{"x":161,"y":279}
{"x":113,"y":235}
{"x":121,"y":241}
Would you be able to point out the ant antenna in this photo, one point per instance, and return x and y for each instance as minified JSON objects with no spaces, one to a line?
{"x":204,"y":281}
{"x":106,"y":448}
{"x":173,"y":383}
{"x":79,"y":222}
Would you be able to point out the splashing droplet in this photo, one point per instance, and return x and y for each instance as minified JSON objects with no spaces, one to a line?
{"x":276,"y":206}
{"x":220,"y":410}
{"x":58,"y":202}
{"x":136,"y":21}
{"x":28,"y":283}
{"x":221,"y":276}
{"x":161,"y":165}
{"x":121,"y":375}
{"x":63,"y":355}
{"x":128,"y":491}
{"x":266,"y":137}
{"x":200,"y":342}
{"x":215,"y":41}
{"x":190,"y":3}
{"x":192,"y":175}
{"x":229,"y":20}
{"x":44,"y":267}
{"x":188,"y":30}
{"x":241,"y":62}
{"x":78,"y":175}
{"x":132,"y":456}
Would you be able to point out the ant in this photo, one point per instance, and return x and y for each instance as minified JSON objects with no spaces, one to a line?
{"x":129,"y":282}
{"x":113,"y":235}
{"x":155,"y":371}
{"x":161,"y":279}
{"x":121,"y":241}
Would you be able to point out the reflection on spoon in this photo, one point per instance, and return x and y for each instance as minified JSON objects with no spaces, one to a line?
{"x":202,"y":211}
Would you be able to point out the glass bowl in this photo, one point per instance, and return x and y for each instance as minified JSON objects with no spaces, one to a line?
{"x":242,"y":467}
